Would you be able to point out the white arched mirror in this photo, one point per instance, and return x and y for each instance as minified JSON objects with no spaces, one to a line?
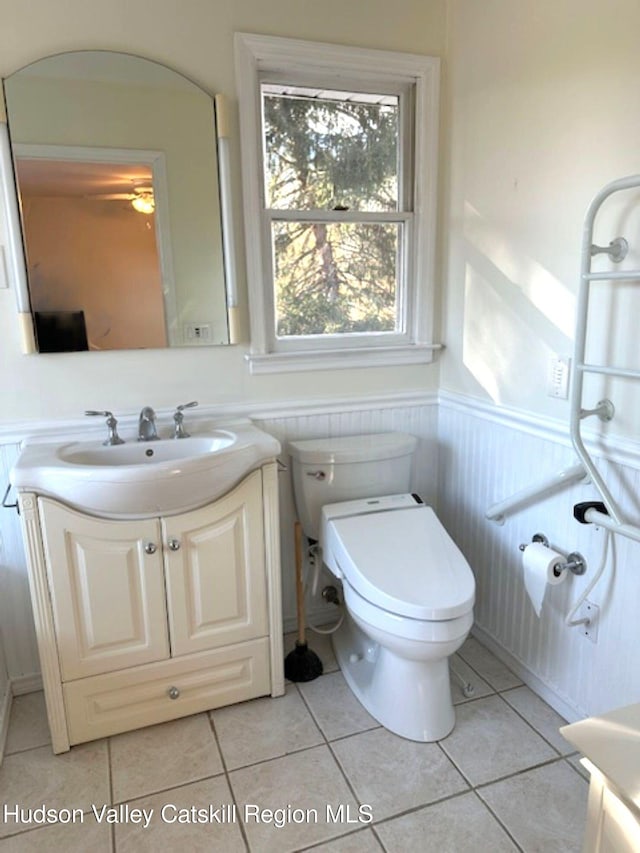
{"x":120,"y":235}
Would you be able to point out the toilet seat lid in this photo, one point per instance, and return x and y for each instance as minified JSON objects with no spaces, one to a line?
{"x":405,"y":562}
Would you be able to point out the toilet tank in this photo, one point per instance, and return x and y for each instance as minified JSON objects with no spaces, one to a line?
{"x":329,"y":470}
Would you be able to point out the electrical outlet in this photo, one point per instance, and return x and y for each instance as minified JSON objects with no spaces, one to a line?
{"x":589,"y":611}
{"x":198,"y":333}
{"x":558,"y":377}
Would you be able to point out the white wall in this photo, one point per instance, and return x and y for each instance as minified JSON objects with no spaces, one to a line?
{"x":194,"y":37}
{"x":542,"y":114}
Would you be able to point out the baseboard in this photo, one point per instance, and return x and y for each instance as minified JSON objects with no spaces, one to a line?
{"x":560,"y":704}
{"x":5,"y":711}
{"x":26,"y":684}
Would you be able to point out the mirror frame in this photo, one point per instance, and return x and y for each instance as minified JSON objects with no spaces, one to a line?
{"x":16,"y":261}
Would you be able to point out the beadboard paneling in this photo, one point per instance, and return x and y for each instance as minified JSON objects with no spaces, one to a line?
{"x":483,"y":462}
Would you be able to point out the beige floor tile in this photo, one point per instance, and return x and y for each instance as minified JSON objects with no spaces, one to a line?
{"x":318,"y":643}
{"x":478,"y":686}
{"x":393,"y":774}
{"x":460,"y":825}
{"x":335,"y":708}
{"x":264,"y":728}
{"x":73,"y":780}
{"x":309,"y":780}
{"x":163,"y":756}
{"x":186,"y":825}
{"x":28,"y":725}
{"x":71,"y":838}
{"x":540,"y":715}
{"x":544,"y":809}
{"x":363,"y":841}
{"x":487,"y":665}
{"x":490,"y":740}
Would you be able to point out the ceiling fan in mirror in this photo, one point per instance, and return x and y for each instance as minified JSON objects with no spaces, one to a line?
{"x":141,"y":198}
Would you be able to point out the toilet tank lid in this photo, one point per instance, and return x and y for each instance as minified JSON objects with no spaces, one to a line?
{"x":353,"y":448}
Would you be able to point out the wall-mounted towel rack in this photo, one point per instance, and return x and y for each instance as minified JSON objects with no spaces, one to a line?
{"x":617,"y":251}
{"x":612,"y":519}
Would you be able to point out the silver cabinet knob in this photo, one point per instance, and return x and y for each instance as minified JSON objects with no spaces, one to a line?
{"x":150,"y":548}
{"x":174,"y":544}
{"x":173,"y":693}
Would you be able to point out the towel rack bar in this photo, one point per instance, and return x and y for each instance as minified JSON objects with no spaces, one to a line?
{"x":611,"y":275}
{"x":602,"y":520}
{"x":622,"y":372}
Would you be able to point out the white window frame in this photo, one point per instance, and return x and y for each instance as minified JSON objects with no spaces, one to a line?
{"x":258,"y":58}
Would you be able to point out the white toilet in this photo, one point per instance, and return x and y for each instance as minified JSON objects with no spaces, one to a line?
{"x":408,"y":591}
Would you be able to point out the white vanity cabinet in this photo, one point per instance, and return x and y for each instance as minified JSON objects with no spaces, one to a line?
{"x":610,"y":744}
{"x":142,"y":621}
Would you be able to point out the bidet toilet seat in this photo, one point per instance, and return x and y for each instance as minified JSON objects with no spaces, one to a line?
{"x":401,"y":560}
{"x":404,"y":627}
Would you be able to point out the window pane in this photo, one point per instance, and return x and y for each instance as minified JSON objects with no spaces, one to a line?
{"x":335,"y":278}
{"x":330,"y":150}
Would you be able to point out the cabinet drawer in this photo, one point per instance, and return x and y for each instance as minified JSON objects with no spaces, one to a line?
{"x":141,"y":696}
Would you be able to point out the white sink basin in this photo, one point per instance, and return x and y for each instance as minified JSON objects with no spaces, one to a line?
{"x":145,"y":452}
{"x":140,"y":479}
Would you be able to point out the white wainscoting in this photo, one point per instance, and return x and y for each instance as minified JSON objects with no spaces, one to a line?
{"x":486,"y":456}
{"x":470,"y":455}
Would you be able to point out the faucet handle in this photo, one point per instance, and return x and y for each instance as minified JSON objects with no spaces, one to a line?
{"x":112,"y":425}
{"x":178,"y":417}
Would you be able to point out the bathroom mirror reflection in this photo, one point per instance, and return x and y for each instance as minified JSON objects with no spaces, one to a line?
{"x":117,"y":173}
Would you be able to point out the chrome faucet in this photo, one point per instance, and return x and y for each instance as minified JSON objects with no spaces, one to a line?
{"x":147,"y":425}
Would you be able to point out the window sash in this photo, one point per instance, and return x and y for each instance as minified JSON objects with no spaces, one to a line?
{"x":402,"y":216}
{"x":404,"y":296}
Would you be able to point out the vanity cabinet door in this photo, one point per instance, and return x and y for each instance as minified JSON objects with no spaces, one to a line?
{"x":216,"y":581}
{"x":107,"y":590}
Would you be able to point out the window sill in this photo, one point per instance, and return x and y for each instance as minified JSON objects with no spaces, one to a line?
{"x":341,"y":359}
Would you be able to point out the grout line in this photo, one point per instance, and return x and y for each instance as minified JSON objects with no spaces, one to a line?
{"x":225,"y":770}
{"x":498,"y":820}
{"x":112,"y":828}
{"x":26,"y":749}
{"x":530,"y":724}
{"x":555,"y":760}
{"x":327,"y":743}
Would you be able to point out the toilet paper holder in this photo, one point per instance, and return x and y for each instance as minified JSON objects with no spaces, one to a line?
{"x":574,"y":563}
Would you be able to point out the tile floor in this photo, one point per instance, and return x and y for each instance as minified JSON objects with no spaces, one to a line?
{"x":504,"y":779}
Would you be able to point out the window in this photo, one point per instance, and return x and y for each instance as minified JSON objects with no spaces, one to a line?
{"x":339,"y":153}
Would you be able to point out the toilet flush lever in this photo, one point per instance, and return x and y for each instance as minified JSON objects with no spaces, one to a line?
{"x":317,"y":475}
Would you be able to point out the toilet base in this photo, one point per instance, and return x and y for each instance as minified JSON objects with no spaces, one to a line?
{"x":410,"y":698}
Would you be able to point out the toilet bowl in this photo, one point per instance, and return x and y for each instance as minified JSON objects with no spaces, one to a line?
{"x":409,"y":595}
{"x":408,"y":591}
